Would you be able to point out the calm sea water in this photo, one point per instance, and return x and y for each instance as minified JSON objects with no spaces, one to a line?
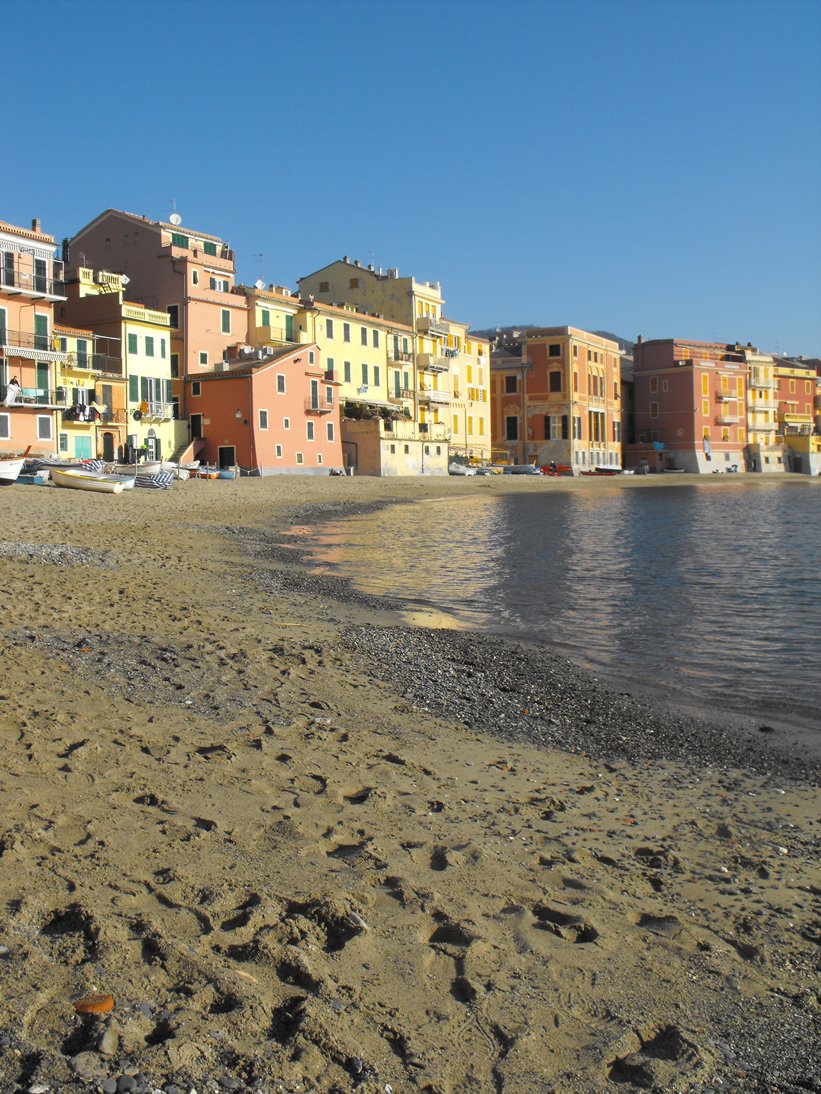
{"x":711,"y":595}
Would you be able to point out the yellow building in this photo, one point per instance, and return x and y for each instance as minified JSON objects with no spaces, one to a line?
{"x":764,"y":451}
{"x":797,"y":389}
{"x":444,"y":395}
{"x":137,"y":388}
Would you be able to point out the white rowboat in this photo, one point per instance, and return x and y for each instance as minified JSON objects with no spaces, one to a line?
{"x":89,"y":480}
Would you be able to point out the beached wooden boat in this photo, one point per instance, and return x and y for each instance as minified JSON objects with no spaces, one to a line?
{"x":76,"y":479}
{"x":149,"y":467}
{"x":603,"y":471}
{"x":11,"y":466}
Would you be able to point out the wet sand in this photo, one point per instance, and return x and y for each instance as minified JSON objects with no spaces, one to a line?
{"x":305,"y":848}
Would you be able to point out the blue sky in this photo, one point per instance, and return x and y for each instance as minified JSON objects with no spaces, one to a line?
{"x":642,"y":167}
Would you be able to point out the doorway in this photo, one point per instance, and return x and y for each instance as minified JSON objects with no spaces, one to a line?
{"x":196,"y":426}
{"x":108,"y":447}
{"x":227,"y":455}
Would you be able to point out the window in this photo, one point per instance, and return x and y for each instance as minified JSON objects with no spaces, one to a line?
{"x":310,"y":356}
{"x":364,"y":375}
{"x":203,"y":357}
{"x":470,"y":425}
{"x":511,"y":385}
{"x":375,"y":336}
{"x":346,"y":332}
{"x":226,"y":321}
{"x":263,"y":419}
{"x":363,"y":335}
{"x":577,"y":427}
{"x":162,"y":348}
{"x":219,"y":284}
{"x":309,"y":430}
{"x":455,"y":423}
{"x":407,"y":449}
{"x":511,"y":428}
{"x":329,"y":429}
{"x":195,"y":277}
{"x":134,"y":389}
{"x":62,"y":442}
{"x":665,"y":385}
{"x":173,"y":315}
{"x":265,"y":318}
{"x":705,"y":407}
{"x":555,"y":381}
{"x":280,"y":384}
{"x":329,"y":395}
{"x":41,"y":340}
{"x":354,"y":283}
{"x":376,"y":375}
{"x":286,"y":423}
{"x":654,"y":383}
{"x":278,"y":451}
{"x":705,"y":384}
{"x":5,"y":427}
{"x":324,"y":286}
{"x":329,"y":328}
{"x":299,"y":458}
{"x":82,"y":352}
{"x":209,"y":248}
{"x":196,"y":389}
{"x":43,"y":427}
{"x":346,"y":371}
{"x":179,"y":240}
{"x":175,"y":364}
{"x":575,"y":381}
{"x":319,"y":457}
{"x":654,"y":410}
{"x":554,"y":350}
{"x":615,"y":390}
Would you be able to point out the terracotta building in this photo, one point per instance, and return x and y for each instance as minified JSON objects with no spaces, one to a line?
{"x":269,"y":412}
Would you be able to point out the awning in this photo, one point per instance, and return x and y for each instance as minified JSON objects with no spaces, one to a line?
{"x":365,"y":401}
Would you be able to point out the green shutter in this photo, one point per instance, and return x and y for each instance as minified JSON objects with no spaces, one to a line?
{"x":168,"y":390}
{"x":133,"y":389}
{"x":132,"y":343}
{"x":143,"y":389}
{"x":289,"y":328}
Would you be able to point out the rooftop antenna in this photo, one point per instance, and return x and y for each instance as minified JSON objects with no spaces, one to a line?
{"x":175,"y":217}
{"x":261,"y":260}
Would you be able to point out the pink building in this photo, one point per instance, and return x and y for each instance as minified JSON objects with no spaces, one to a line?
{"x":171,"y":268}
{"x":689,"y":406}
{"x":270,"y":413}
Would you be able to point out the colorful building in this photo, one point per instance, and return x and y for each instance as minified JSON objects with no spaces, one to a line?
{"x":271,"y":413}
{"x":797,"y":391}
{"x":690,"y":406}
{"x":765,"y":450}
{"x":140,"y":415}
{"x":446,"y":404}
{"x":372,"y":360}
{"x":30,"y":285}
{"x":168,"y":267}
{"x":556,"y":398}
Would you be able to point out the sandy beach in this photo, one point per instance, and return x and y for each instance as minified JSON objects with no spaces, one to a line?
{"x":306,"y":847}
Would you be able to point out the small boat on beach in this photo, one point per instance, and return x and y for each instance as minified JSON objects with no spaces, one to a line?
{"x":77,"y":479}
{"x":10,"y":468}
{"x":608,"y":471}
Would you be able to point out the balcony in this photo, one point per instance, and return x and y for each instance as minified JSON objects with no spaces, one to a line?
{"x":431,"y":362}
{"x":425,"y":324}
{"x":760,"y":385}
{"x":430,"y":395}
{"x":319,"y":405}
{"x":36,"y":397}
{"x":158,"y":411}
{"x":762,"y":404}
{"x":726,"y":418}
{"x":331,"y":376}
{"x":23,"y":343}
{"x":400,"y":356}
{"x":108,"y":366}
{"x":38,"y":287}
{"x":726,"y":396}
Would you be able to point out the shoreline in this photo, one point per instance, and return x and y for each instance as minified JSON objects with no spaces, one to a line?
{"x":289,"y":838}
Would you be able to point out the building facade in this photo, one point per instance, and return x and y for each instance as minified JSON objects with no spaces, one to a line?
{"x":447,"y":405}
{"x":556,"y":398}
{"x":271,"y":414}
{"x":30,"y":285}
{"x":690,"y":403}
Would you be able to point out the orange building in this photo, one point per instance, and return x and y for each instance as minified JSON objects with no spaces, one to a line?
{"x":272,"y":412}
{"x":30,"y":283}
{"x":556,"y":397}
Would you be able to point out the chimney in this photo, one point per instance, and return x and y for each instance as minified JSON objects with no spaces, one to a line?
{"x":35,"y":225}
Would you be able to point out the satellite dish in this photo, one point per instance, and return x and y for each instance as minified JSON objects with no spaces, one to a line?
{"x":126,"y":279}
{"x":175,"y":219}
{"x":137,"y":415}
{"x":259,"y":284}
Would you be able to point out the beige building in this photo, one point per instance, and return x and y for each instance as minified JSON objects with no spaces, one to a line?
{"x":765,"y":450}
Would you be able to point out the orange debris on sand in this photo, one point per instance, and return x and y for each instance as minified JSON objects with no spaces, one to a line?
{"x":95,"y":1004}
